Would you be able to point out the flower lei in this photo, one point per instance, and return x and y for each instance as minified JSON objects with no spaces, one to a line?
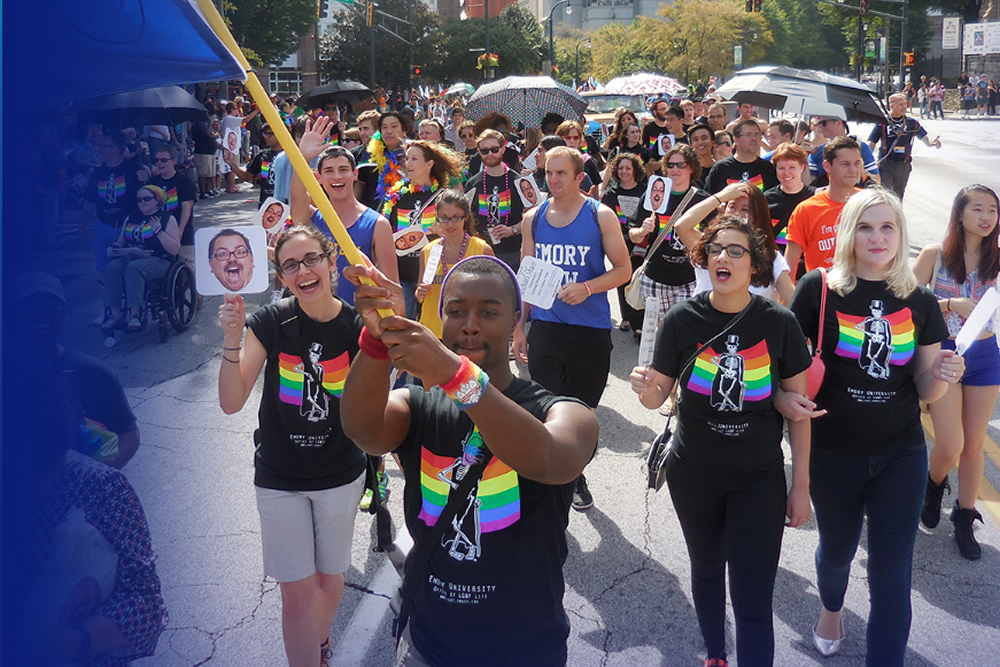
{"x":404,"y":187}
{"x":390,"y":171}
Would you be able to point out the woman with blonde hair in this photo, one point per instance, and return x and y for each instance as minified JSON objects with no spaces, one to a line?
{"x":881,"y":347}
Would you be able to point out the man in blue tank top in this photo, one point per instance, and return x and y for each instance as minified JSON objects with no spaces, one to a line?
{"x":568,"y":346}
{"x":336,"y":173}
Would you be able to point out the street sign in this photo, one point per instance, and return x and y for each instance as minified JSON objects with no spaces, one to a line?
{"x":869,"y":48}
{"x":738,"y":56}
{"x":882,"y":48}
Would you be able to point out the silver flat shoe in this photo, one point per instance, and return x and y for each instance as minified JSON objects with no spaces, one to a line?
{"x":827,"y":647}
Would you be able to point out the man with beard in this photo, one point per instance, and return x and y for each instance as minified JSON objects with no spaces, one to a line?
{"x":652,"y":131}
{"x":370,"y":231}
{"x":479,"y":438}
{"x":568,"y":347}
{"x":260,"y":170}
{"x":496,"y":208}
{"x":230,"y":257}
{"x":745,"y":165}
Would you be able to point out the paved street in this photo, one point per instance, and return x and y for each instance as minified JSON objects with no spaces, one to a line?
{"x":627,"y":575}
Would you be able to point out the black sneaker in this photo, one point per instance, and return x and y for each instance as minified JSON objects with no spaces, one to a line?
{"x":964,"y":535}
{"x":931,"y":514}
{"x":582,"y":500}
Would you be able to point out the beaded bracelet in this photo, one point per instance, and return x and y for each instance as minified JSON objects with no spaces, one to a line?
{"x":468,"y":385}
{"x":589,"y":293}
{"x":373,"y":347}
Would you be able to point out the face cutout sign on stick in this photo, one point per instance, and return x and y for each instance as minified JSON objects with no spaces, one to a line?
{"x":528,"y":190}
{"x":271,"y":216}
{"x":657,"y":193}
{"x":230,"y":260}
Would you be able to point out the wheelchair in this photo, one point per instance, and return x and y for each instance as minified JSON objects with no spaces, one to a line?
{"x":170,"y":301}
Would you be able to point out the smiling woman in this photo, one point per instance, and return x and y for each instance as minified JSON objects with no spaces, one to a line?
{"x":308,"y":474}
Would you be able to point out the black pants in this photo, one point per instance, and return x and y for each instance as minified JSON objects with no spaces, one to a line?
{"x":570,"y":360}
{"x":734,"y":518}
{"x":895,"y":175}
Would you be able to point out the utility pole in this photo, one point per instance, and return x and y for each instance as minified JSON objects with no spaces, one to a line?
{"x":902,"y":47}
{"x":409,"y":37}
{"x":486,"y":24}
{"x":223,"y":85}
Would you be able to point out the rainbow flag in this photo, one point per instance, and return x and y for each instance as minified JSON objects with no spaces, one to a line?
{"x":503,"y":204}
{"x":499,"y":492}
{"x":782,"y":236}
{"x":291,"y":379}
{"x":119,"y":184}
{"x":139,"y":232}
{"x":172,"y":199}
{"x":756,"y":181}
{"x":852,"y":336}
{"x":622,"y":218}
{"x":427,"y":219}
{"x":662,"y":222}
{"x":756,"y":372}
{"x":265,"y":169}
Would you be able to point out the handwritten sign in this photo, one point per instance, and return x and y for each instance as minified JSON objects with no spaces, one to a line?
{"x":649,"y":324}
{"x":433,"y":261}
{"x":981,"y":315}
{"x":540,"y":281}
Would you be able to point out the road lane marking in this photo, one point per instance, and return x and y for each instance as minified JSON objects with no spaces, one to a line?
{"x":988,"y":495}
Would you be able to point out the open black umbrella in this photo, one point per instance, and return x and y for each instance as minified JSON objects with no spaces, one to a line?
{"x":341,"y":92}
{"x":168,"y":105}
{"x":775,"y":87}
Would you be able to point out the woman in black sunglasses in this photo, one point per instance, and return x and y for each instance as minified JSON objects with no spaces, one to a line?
{"x":308,"y":476}
{"x":728,"y":352}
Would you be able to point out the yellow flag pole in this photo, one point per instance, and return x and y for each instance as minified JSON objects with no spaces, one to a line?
{"x":320,"y":200}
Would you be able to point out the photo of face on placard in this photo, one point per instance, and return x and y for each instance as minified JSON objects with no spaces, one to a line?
{"x":271,"y":216}
{"x":657,"y":193}
{"x":231,"y":142}
{"x":230,"y":260}
{"x":667,"y":142}
{"x":531,"y":195}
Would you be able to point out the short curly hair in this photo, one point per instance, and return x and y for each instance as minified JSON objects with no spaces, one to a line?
{"x":761,"y":270}
{"x":637,"y":165}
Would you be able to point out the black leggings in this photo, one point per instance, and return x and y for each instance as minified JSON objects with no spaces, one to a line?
{"x":734,"y":518}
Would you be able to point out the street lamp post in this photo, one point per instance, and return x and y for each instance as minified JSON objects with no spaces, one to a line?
{"x":552,"y":48}
{"x":576,"y":79}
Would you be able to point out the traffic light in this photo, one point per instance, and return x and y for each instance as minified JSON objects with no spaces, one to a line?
{"x":321,"y":8}
{"x":748,"y":7}
{"x":418,"y":70}
{"x":369,"y":13}
{"x":864,"y":7}
{"x":756,"y":5}
{"x":908,"y":59}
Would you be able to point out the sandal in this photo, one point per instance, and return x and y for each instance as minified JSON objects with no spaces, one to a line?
{"x":134,"y":324}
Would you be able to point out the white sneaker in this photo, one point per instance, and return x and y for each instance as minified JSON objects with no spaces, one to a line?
{"x":99,"y":320}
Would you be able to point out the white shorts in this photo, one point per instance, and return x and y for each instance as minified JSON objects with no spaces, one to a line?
{"x":303,"y":532}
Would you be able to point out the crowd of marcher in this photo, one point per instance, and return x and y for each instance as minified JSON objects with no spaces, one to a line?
{"x":745,"y":239}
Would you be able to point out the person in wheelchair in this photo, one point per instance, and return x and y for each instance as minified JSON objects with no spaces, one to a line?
{"x":144,"y":251}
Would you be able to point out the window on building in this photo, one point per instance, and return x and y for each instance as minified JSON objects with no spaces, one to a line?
{"x":285,"y":84}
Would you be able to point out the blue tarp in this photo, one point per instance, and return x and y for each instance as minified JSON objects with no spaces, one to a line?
{"x":75,"y":49}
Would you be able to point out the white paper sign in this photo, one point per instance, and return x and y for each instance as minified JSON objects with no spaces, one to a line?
{"x":649,"y":325}
{"x":657,"y":194}
{"x":951,"y":29}
{"x":981,"y":315}
{"x":539,"y":281}
{"x":531,"y":162}
{"x":433,"y":261}
{"x":230,"y":260}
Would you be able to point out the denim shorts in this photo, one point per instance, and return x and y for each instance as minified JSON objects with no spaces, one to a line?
{"x":982,"y":362}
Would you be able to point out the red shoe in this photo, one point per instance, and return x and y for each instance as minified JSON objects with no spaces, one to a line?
{"x":715,"y":662}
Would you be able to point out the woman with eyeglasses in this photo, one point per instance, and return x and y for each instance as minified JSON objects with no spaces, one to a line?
{"x":308,"y":475}
{"x":669,"y":275}
{"x":723,"y":147}
{"x":882,"y":336}
{"x":144,"y":251}
{"x":728,"y":351}
{"x":458,"y":241}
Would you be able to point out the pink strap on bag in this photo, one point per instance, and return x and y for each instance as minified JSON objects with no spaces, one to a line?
{"x":814,"y":376}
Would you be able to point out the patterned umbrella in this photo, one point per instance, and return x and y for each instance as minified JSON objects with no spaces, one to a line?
{"x":526,"y":99}
{"x":643,"y":84}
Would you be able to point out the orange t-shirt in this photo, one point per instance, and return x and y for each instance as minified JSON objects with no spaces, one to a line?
{"x":813,"y":226}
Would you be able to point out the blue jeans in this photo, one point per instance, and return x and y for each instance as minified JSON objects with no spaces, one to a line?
{"x":889,"y":489}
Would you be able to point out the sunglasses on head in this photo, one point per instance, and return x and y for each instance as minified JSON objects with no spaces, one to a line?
{"x":488,"y":151}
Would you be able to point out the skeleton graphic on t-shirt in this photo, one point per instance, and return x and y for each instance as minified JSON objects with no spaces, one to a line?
{"x":465,"y":544}
{"x":493,"y":207}
{"x":876,"y":349}
{"x":315,"y":401}
{"x":109,"y":190}
{"x":728,"y":387}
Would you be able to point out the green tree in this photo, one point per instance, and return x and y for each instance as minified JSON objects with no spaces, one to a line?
{"x":515,"y":36}
{"x":621,"y":49}
{"x":268,"y":31}
{"x":345,"y":47}
{"x":803,"y":35}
